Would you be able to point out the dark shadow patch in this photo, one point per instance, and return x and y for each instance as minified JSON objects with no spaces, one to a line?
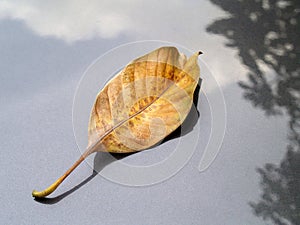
{"x":268,"y":32}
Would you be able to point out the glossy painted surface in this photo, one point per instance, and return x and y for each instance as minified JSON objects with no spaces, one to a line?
{"x":251,"y":49}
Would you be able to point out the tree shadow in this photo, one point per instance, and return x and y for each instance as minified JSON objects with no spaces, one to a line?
{"x":280,"y":201}
{"x":266,"y":32}
{"x":102,"y":159}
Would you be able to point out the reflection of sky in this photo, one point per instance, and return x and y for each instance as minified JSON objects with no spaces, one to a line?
{"x":108,"y":19}
{"x":44,"y":50}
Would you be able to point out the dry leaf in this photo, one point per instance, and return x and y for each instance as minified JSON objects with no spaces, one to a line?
{"x":141,"y":105}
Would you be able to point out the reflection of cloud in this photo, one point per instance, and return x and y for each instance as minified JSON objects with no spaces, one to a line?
{"x":178,"y":21}
{"x":69,"y":20}
{"x":80,"y":20}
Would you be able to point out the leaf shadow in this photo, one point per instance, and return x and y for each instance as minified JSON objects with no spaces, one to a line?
{"x":103,"y":159}
{"x":191,"y":119}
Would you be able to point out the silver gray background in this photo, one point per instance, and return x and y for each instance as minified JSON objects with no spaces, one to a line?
{"x":45,"y":49}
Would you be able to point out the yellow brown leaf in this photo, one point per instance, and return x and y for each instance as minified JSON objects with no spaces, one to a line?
{"x":141,"y":105}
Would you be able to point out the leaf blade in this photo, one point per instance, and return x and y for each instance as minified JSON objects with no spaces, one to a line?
{"x":144,"y":102}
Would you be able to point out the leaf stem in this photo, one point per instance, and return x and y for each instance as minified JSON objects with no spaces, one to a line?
{"x":52,"y":187}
